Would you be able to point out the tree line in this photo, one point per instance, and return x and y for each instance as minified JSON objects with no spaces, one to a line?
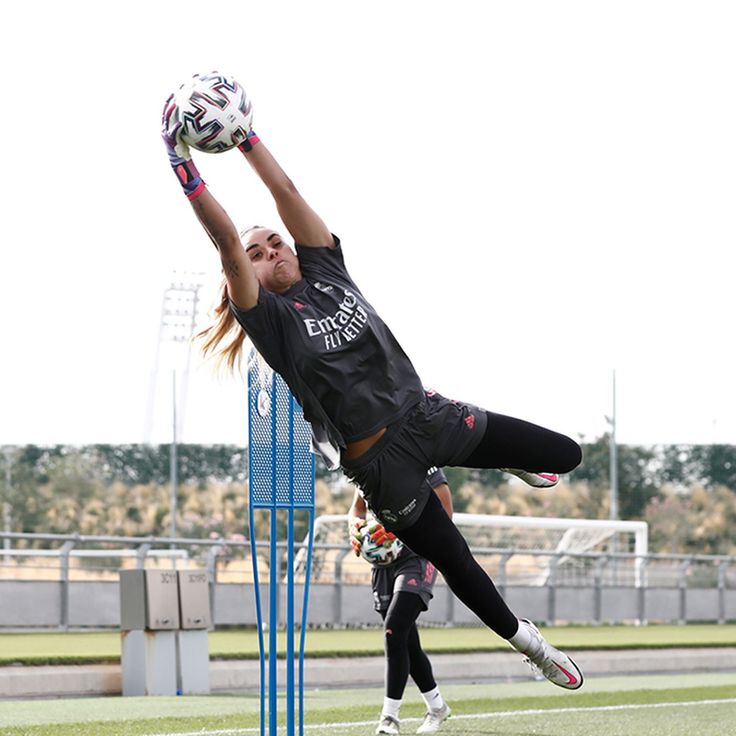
{"x":687,"y":493}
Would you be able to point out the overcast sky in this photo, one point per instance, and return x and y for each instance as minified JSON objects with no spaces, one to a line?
{"x":532,"y":194}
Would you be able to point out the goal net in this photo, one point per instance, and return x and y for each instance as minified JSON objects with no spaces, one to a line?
{"x":516,"y":550}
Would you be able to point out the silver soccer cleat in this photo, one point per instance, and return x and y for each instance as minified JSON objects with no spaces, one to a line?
{"x":536,"y":480}
{"x":544,"y":659}
{"x":434,"y":719}
{"x":388,"y":725}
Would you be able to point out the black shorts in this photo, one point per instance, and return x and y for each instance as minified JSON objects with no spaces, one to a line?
{"x":409,"y":574}
{"x":392,"y":475}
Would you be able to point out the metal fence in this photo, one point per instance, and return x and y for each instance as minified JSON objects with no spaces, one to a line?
{"x":71,"y":581}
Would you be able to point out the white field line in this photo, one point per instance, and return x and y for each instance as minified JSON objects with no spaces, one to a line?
{"x":469,"y":716}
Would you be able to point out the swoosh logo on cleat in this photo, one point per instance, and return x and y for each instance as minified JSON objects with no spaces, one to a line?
{"x":571,"y":679}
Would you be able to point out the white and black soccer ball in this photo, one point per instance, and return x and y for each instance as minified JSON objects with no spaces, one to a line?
{"x":215,"y":112}
{"x":379,"y":554}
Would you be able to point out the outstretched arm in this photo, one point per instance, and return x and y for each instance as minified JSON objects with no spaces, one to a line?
{"x":242,"y":283}
{"x":302,"y":222}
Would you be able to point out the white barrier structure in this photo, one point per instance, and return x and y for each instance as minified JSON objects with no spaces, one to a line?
{"x":493,"y":534}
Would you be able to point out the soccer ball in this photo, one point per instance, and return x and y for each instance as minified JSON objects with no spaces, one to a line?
{"x":379,"y":554}
{"x":215,"y":112}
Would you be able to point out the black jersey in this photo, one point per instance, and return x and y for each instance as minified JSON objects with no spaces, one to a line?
{"x":340,"y":360}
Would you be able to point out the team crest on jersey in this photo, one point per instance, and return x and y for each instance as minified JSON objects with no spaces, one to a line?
{"x":388,"y":515}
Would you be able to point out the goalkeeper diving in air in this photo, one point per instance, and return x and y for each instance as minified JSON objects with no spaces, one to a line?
{"x":402,"y":589}
{"x":359,"y":390}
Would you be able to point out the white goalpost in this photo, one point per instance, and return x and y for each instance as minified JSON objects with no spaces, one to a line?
{"x":559,"y":535}
{"x":527,"y":547}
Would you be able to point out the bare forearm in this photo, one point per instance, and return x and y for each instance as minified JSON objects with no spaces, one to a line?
{"x":216,"y":223}
{"x":241,"y":280}
{"x":302,"y":222}
{"x":269,"y":170}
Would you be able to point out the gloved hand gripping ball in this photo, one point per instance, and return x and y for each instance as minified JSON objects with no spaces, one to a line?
{"x":379,"y":547}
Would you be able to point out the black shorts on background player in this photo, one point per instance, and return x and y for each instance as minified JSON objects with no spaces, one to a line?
{"x":409,"y":573}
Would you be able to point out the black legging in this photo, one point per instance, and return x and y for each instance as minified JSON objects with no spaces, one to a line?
{"x":514,"y":443}
{"x":507,"y":443}
{"x":404,"y":653}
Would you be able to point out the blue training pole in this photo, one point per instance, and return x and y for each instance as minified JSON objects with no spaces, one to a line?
{"x":302,"y":633}
{"x":290,"y":583}
{"x":259,"y":617}
{"x":256,"y":587}
{"x":281,"y":476}
{"x":273,"y":577}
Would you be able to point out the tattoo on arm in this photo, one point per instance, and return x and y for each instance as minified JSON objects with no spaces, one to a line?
{"x":231,"y":269}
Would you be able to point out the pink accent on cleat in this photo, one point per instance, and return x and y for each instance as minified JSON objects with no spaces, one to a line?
{"x":536,"y":480}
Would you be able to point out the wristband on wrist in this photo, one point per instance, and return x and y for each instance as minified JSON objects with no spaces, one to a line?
{"x":189,"y":178}
{"x":247,"y":145}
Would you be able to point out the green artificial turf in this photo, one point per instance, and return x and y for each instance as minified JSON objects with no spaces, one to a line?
{"x":644,"y":706}
{"x":100,"y":647}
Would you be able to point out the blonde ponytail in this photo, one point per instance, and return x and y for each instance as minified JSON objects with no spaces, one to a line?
{"x":225,"y":330}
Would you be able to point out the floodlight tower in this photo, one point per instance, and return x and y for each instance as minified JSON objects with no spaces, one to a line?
{"x":613,"y":472}
{"x":179,"y":312}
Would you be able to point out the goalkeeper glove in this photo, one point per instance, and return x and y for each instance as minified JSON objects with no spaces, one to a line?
{"x":178,"y":151}
{"x":356,"y":525}
{"x":379,"y":534}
